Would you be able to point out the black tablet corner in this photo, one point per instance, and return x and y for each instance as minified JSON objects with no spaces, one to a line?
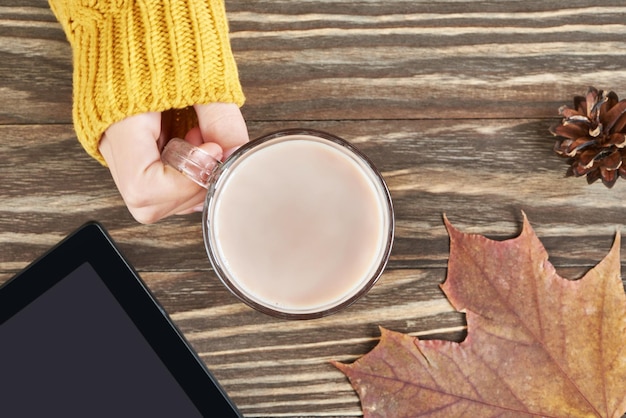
{"x":82,"y":335}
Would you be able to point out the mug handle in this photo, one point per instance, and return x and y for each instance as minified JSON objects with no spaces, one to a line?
{"x":195,"y":163}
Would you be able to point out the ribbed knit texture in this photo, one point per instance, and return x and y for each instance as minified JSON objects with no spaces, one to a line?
{"x":132,"y":57}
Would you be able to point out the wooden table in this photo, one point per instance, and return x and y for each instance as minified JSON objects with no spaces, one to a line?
{"x":452,"y":100}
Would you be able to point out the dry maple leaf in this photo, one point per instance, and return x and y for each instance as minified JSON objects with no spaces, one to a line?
{"x":537,"y":344}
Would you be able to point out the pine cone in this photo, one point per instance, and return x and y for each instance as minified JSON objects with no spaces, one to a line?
{"x":593,"y":137}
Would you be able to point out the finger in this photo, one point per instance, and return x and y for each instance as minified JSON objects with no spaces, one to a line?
{"x":223,"y":124}
{"x":194,"y":136}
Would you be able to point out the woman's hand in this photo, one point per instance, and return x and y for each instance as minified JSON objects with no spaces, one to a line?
{"x":151,"y":190}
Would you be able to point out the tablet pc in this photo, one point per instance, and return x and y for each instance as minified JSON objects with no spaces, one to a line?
{"x":82,"y":336}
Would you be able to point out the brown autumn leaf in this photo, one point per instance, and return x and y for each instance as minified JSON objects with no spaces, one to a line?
{"x":537,"y":344}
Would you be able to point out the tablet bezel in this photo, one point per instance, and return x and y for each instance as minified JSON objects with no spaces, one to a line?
{"x":92,"y":244}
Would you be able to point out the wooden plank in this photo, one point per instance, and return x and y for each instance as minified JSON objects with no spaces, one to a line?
{"x":469,"y":171}
{"x":323,"y":60}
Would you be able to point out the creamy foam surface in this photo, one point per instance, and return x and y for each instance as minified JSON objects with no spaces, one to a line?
{"x":299,"y":225}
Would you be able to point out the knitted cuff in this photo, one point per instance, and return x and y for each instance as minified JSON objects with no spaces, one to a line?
{"x":133,"y":57}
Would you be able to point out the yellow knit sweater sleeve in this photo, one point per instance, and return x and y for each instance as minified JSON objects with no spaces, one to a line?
{"x":132,"y":57}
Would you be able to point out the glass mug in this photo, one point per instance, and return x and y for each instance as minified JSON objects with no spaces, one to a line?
{"x":298,"y":224}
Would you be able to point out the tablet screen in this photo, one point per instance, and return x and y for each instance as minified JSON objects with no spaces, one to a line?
{"x":82,"y":356}
{"x":84,"y":345}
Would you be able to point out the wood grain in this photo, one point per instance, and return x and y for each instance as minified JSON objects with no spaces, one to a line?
{"x":452,"y":100}
{"x":424,"y":59}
